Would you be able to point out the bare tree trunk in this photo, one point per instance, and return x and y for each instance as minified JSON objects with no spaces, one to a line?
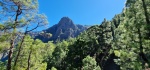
{"x":15,"y":63}
{"x":18,"y":54}
{"x":18,"y":12}
{"x":29,"y":58}
{"x":10,"y":55}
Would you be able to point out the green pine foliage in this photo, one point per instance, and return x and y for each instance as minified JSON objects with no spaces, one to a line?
{"x":31,"y":55}
{"x":122,"y":43}
{"x":89,"y":64}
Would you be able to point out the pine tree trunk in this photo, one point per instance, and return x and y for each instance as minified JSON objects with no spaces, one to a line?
{"x":145,"y":12}
{"x":29,"y":58}
{"x":15,"y":63}
{"x":147,"y":19}
{"x":142,"y":55}
{"x":18,"y":12}
{"x":10,"y":55}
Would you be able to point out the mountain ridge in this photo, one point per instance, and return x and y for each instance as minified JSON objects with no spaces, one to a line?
{"x":63,"y":30}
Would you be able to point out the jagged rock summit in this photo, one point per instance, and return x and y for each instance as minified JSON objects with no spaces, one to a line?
{"x":63,"y":30}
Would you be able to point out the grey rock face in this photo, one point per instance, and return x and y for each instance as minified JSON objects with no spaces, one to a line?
{"x":63,"y":30}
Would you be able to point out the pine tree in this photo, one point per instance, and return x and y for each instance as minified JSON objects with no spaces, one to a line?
{"x":19,"y":14}
{"x":130,"y":37}
{"x":89,"y":63}
{"x":30,"y":56}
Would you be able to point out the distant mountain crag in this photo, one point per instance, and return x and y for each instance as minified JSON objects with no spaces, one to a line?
{"x":63,"y":30}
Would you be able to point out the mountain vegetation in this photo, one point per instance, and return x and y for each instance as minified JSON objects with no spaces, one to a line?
{"x":122,"y":43}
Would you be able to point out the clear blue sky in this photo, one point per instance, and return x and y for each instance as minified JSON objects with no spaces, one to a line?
{"x":85,"y":12}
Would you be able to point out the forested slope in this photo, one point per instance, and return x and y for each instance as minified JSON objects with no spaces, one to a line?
{"x":124,"y":41}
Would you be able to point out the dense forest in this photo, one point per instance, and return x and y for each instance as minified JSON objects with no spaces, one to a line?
{"x":122,"y":43}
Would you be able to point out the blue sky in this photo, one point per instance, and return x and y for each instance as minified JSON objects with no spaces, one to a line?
{"x":85,"y":12}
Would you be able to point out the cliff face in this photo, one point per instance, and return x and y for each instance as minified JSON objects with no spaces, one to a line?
{"x":61,"y":31}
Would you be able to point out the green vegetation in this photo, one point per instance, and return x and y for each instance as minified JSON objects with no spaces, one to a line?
{"x":122,"y":43}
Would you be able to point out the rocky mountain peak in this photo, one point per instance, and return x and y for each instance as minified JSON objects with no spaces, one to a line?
{"x":66,"y":22}
{"x":63,"y":30}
